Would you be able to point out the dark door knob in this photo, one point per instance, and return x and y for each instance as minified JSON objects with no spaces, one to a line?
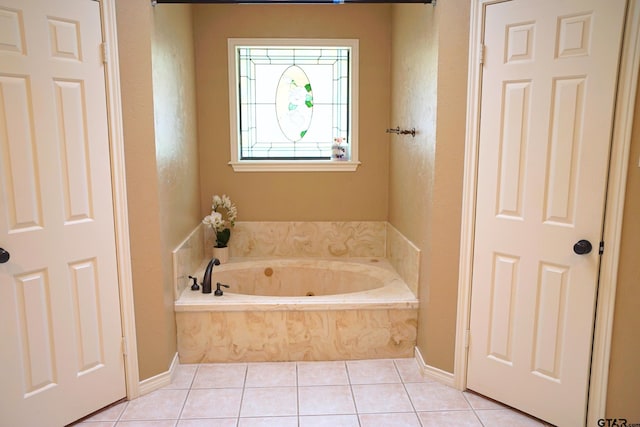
{"x":4,"y":256}
{"x":583,"y":247}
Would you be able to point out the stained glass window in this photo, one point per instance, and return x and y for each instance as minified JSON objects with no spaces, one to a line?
{"x":292,"y":101}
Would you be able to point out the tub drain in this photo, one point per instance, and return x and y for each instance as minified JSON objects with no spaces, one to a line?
{"x":310,"y":294}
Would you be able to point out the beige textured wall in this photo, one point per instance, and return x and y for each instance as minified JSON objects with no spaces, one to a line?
{"x":156,"y":55}
{"x":624,"y":373}
{"x":340,"y":196}
{"x":437,"y":339}
{"x":414,"y":76}
{"x":414,"y":73}
{"x":134,"y":45}
{"x":174,"y":99}
{"x":429,"y":75}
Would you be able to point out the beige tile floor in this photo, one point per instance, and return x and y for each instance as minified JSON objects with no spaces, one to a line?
{"x":367,"y":393}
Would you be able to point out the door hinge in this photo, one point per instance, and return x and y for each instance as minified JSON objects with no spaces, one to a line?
{"x":104,"y":48}
{"x":601,"y":248}
{"x":467,"y":338}
{"x":481,"y":54}
{"x":125,"y":351}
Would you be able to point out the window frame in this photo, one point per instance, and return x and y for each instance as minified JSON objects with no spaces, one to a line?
{"x":292,"y":165}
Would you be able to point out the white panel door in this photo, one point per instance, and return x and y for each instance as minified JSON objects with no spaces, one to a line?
{"x":548,"y":88}
{"x":60,"y":324}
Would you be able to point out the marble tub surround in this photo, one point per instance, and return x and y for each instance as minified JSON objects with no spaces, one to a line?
{"x":259,"y":336}
{"x":348,"y":239}
{"x":308,"y":239}
{"x":404,"y":256}
{"x":187,"y":257}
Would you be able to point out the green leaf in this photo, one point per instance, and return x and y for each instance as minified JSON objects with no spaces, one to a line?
{"x":308,"y":87}
{"x":308,"y":103}
{"x":292,"y":107}
{"x":303,"y":133}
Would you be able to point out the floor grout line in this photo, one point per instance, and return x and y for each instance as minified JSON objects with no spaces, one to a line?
{"x":244,"y":388}
{"x":404,"y":386}
{"x":187,"y":396}
{"x":473,"y":409}
{"x":297,"y":397}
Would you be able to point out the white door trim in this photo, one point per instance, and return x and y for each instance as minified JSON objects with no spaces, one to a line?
{"x":621,"y":140}
{"x":619,"y":164}
{"x":118,"y":178}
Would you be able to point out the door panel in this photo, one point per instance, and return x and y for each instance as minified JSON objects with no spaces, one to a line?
{"x":548,"y":89}
{"x":23,"y":200}
{"x":59,"y":302}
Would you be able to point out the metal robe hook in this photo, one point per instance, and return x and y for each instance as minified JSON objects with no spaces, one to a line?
{"x":399,"y":131}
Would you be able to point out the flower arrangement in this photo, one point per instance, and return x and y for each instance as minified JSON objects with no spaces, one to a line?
{"x":220,"y":225}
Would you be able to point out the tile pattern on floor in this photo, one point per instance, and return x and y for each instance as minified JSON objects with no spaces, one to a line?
{"x":363,"y":393}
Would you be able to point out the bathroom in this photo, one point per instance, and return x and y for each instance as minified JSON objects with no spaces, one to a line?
{"x":413,"y":74}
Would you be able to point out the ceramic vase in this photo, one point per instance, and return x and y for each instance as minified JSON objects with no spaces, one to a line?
{"x":221,"y":253}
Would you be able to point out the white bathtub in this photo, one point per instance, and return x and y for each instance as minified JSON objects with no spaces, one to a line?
{"x":298,"y":309}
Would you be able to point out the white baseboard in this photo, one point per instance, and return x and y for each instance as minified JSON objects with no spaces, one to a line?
{"x":443,"y":377}
{"x":158,"y":381}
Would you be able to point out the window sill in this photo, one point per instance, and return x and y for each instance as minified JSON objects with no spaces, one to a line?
{"x":295,"y":166}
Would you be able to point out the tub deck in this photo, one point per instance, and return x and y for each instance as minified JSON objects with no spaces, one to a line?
{"x":394,"y":295}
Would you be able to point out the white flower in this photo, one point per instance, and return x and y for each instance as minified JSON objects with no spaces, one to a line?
{"x":226,"y":202}
{"x":215,"y":220}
